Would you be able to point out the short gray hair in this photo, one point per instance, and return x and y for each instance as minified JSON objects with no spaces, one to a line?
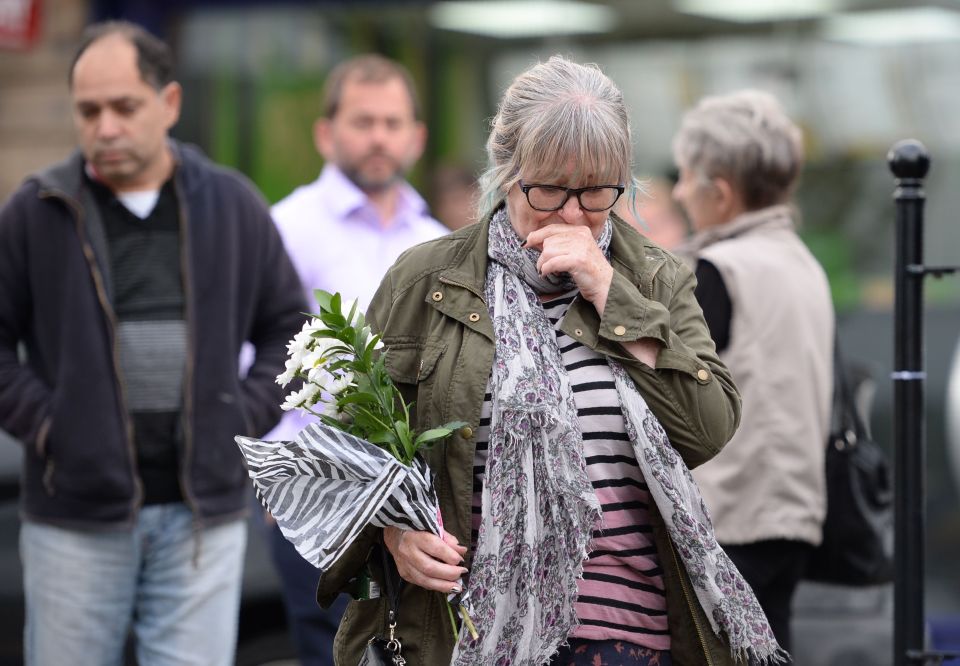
{"x":745,"y":138}
{"x":553,"y":113}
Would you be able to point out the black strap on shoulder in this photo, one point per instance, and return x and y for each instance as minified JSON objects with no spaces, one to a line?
{"x":844,"y":398}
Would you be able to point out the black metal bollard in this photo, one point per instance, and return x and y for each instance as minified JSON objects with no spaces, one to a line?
{"x":909,"y":161}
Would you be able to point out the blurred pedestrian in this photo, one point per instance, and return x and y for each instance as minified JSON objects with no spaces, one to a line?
{"x":767,"y":303}
{"x":454,"y":195}
{"x":655,"y":214}
{"x":343,"y":231}
{"x":131,"y":274}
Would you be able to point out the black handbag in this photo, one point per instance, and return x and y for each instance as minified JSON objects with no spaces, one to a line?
{"x":385,"y":650}
{"x":857,"y":547}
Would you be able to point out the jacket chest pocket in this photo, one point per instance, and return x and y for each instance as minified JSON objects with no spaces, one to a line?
{"x":411,"y":365}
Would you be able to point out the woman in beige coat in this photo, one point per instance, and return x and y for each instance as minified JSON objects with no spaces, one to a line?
{"x":767,"y":302}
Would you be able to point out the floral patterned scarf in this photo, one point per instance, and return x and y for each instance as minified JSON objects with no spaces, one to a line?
{"x":538,"y":506}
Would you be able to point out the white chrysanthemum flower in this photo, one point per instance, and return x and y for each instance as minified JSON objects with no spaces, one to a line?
{"x":313,"y":325}
{"x":299,"y":346}
{"x":340,"y":383}
{"x":330,"y":409}
{"x":320,"y":377}
{"x":305,"y":397}
{"x":289,"y":373}
{"x":319,"y":353}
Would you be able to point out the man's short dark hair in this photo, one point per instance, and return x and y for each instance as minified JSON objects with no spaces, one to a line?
{"x":367,"y":68}
{"x":154,"y":58}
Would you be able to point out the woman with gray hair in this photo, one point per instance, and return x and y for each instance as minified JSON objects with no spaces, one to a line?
{"x":767,"y":303}
{"x":577,"y":354}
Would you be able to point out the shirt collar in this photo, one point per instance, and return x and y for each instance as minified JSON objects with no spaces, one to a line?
{"x":344,"y":198}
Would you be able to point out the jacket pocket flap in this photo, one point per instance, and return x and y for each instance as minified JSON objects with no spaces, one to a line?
{"x":412,"y":362}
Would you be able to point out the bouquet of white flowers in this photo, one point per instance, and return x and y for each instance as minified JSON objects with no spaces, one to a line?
{"x":337,"y":476}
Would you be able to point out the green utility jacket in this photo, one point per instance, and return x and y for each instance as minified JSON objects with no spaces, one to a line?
{"x":439,"y":339}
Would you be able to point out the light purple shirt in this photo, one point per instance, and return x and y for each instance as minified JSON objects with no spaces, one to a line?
{"x":333,"y":235}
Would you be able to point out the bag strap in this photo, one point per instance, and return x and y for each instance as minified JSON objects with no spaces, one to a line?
{"x":392,"y":582}
{"x":844,"y":401}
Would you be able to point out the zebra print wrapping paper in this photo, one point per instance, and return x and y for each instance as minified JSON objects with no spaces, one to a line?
{"x":326,"y":486}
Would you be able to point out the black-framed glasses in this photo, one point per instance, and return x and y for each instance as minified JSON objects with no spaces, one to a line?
{"x":548,"y":198}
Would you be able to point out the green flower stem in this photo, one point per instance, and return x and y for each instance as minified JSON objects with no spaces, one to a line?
{"x":453,"y":622}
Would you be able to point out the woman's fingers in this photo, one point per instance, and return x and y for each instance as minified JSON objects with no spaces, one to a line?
{"x":426,"y":560}
{"x":572,"y":249}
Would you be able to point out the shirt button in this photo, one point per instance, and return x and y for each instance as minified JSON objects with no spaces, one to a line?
{"x":474,"y":316}
{"x":577,"y":332}
{"x":438,"y":295}
{"x":466,"y":432}
{"x":620,"y":330}
{"x":703,"y":375}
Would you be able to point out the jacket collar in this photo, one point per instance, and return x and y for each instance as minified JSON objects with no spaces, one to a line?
{"x":65,"y":178}
{"x":342,"y":196}
{"x":781,"y":216}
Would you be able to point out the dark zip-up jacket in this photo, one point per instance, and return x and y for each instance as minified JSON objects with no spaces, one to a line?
{"x":65,"y":398}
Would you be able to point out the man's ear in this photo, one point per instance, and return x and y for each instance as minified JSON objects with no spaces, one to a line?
{"x":172,"y":97}
{"x":419,"y":141}
{"x":322,"y":138}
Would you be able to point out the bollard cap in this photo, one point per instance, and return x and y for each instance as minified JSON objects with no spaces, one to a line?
{"x":909,"y":159}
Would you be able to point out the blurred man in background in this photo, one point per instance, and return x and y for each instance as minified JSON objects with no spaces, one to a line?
{"x":132,"y":273}
{"x":343,"y":231}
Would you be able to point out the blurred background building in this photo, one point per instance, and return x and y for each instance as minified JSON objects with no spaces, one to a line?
{"x":857,"y":74}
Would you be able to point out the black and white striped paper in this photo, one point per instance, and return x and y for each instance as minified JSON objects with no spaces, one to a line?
{"x":326,"y":486}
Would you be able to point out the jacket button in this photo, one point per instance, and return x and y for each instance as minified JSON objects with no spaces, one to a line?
{"x":438,"y":295}
{"x":620,"y":330}
{"x":703,"y":375}
{"x":474,"y":316}
{"x":577,"y":332}
{"x":466,"y":432}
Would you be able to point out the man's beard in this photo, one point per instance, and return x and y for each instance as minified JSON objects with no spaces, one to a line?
{"x":357,"y":176}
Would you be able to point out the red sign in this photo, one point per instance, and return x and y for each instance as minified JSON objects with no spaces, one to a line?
{"x":19,"y":23}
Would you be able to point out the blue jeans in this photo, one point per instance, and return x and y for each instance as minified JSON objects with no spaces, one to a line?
{"x":180,"y":593}
{"x":312,"y":627}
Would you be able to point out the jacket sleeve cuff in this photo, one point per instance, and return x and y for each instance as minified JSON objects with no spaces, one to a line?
{"x":339,"y":576}
{"x":629,"y":316}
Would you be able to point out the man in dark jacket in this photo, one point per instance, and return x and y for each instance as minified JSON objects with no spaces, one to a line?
{"x":130,"y":276}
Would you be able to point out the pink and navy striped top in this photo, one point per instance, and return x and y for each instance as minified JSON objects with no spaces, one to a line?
{"x":621,"y":594}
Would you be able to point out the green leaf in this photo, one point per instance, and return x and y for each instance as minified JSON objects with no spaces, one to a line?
{"x":402,"y":429}
{"x":435,"y":434}
{"x":353,"y":311}
{"x":334,"y":320}
{"x":382,"y":437}
{"x":358,"y":398}
{"x":323,"y":299}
